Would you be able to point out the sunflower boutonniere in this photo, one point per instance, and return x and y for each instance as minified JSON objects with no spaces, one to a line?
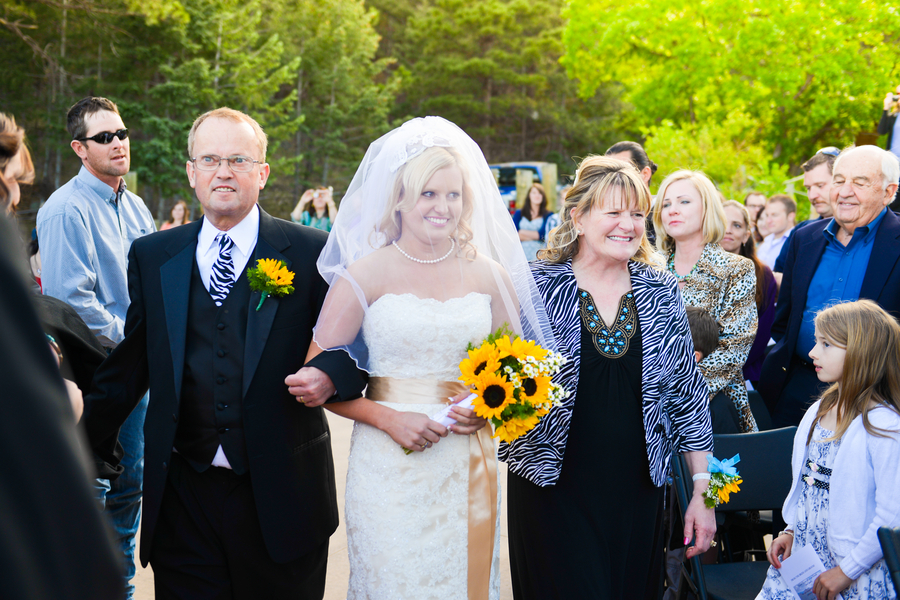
{"x":270,"y":277}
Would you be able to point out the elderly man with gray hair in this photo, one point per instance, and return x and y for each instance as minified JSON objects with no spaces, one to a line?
{"x":850,"y":256}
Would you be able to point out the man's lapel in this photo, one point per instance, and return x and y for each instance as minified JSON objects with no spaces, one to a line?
{"x":883,"y":258}
{"x":175,"y":275}
{"x":809,"y":254}
{"x":271,"y":242}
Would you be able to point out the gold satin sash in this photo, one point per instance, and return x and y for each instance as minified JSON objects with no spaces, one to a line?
{"x":482,"y":471}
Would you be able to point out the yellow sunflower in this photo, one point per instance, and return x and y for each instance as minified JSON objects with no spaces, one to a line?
{"x":535,"y":389}
{"x":519,"y":348}
{"x":494,"y":394}
{"x":730,"y":488}
{"x":504,"y":434}
{"x":516,"y":428}
{"x":481,"y":359}
{"x":269,"y":266}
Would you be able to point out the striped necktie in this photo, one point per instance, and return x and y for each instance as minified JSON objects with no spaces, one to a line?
{"x":222,"y":277}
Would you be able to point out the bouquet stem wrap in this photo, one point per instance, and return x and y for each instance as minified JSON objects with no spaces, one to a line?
{"x":482,"y":471}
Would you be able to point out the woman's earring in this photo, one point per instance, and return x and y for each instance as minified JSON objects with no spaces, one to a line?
{"x":579,"y":231}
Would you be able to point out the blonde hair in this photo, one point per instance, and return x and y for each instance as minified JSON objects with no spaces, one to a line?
{"x":232,"y":115}
{"x":713,"y":213}
{"x":871,"y":373}
{"x":12,"y":144}
{"x":598,"y":180}
{"x":408,"y":185}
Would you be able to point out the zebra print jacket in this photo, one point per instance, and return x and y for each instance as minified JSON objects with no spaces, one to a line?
{"x":675,"y":402}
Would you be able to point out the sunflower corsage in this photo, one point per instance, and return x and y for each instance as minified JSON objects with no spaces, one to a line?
{"x":723,"y":480}
{"x":270,"y":277}
{"x":511,"y":382}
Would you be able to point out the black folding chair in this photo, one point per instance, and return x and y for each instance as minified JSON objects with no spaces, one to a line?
{"x":890,"y":546}
{"x":765,"y":468}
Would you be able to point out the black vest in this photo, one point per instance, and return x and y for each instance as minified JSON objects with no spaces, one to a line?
{"x":211,"y":411}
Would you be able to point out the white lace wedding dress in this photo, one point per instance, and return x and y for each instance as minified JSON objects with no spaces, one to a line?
{"x":407,"y":514}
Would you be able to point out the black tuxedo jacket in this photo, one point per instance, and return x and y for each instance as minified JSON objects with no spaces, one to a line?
{"x":288,"y":445}
{"x":806,"y":247}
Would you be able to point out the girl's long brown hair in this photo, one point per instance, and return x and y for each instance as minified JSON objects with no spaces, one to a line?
{"x":871,"y":374}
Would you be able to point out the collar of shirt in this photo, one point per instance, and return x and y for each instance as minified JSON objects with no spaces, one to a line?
{"x":244,"y":234}
{"x":864,"y":233}
{"x":774,"y":240}
{"x":103,"y":190}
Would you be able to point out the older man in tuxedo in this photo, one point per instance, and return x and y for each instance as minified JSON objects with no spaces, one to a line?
{"x":851,"y":256}
{"x":239,"y":492}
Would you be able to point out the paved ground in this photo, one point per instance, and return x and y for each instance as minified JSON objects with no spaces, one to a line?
{"x":338,"y":567}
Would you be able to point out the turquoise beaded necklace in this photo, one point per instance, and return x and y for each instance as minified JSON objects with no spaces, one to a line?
{"x":680,"y":278}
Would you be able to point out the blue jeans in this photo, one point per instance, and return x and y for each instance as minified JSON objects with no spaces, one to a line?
{"x":121,"y":497}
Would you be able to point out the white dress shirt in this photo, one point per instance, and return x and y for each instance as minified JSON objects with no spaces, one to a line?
{"x":770,"y":248}
{"x":244,"y":235}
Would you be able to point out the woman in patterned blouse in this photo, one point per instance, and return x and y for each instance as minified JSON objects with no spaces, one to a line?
{"x":690,"y":222}
{"x":590,"y":476}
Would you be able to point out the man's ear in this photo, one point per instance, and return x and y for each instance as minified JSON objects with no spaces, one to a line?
{"x":891,"y":191}
{"x":79,"y":149}
{"x":189,"y":167}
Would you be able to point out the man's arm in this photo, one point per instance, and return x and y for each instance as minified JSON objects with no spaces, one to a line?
{"x":68,"y":273}
{"x":123,"y":379}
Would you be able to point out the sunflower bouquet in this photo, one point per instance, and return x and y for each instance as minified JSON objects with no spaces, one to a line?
{"x":723,"y":480}
{"x":511,"y":382}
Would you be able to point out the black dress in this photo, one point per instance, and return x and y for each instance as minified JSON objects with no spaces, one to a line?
{"x":598,"y":532}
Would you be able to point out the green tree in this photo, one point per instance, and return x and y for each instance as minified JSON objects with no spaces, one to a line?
{"x":492,"y":67}
{"x":341,"y":93}
{"x":800,"y":74}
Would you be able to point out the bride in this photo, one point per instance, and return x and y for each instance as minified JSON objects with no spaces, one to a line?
{"x":423,"y":259}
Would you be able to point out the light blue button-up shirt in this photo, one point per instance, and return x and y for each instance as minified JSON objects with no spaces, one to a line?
{"x":85,"y":235}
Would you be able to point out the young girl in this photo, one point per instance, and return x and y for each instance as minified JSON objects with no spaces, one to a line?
{"x":846,"y":451}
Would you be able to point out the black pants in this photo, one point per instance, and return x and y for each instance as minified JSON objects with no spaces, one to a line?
{"x":208,"y":543}
{"x":801,"y":389}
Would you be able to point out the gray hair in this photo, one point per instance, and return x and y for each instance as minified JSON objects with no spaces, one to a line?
{"x":890,"y":166}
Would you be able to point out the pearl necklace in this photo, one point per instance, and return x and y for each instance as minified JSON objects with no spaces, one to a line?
{"x":426,"y":262}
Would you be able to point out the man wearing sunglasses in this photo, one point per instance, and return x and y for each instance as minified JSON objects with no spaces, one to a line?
{"x":86,"y":229}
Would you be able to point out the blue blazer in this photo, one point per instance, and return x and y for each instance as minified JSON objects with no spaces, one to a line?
{"x":806,"y":247}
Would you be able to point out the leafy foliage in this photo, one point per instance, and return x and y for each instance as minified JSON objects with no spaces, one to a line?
{"x":797,"y":74}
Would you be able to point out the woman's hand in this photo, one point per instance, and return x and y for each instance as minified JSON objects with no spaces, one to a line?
{"x":467,"y":422}
{"x":699,"y":525}
{"x":781,"y":546}
{"x":889,"y":101}
{"x":831,"y":583}
{"x":414,"y":431}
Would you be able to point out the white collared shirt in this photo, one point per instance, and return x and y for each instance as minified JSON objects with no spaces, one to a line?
{"x":244,"y":235}
{"x":767,"y":252}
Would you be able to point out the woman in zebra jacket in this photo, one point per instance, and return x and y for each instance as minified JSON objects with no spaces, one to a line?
{"x":591,"y":526}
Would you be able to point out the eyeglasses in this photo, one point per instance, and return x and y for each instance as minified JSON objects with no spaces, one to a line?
{"x":211,"y":162}
{"x":829,"y":150}
{"x":106,"y":137}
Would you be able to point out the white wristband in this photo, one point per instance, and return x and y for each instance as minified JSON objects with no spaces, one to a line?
{"x":700,"y":476}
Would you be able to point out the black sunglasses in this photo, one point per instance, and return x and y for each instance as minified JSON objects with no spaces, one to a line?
{"x":106,"y":136}
{"x":829,"y":150}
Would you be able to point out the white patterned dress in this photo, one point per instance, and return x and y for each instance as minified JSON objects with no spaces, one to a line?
{"x":407,"y":516}
{"x":812,"y":524}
